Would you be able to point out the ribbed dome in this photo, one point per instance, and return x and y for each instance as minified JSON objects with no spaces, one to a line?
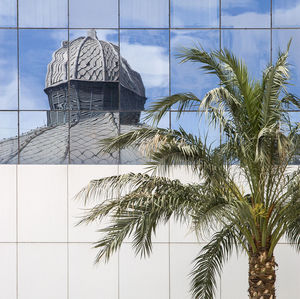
{"x":94,"y":60}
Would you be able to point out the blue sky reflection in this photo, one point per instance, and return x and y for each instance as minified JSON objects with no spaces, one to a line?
{"x":245,"y":13}
{"x":8,"y":124}
{"x":198,"y":125}
{"x":253,"y":46}
{"x":45,"y":13}
{"x":280,"y":40}
{"x":188,"y":77}
{"x":36,"y":49}
{"x":94,"y":13}
{"x":197,"y":14}
{"x":144,"y":13}
{"x":8,"y":13}
{"x":147,"y":52}
{"x":8,"y":70}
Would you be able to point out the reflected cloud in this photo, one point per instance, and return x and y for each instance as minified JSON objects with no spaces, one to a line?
{"x":105,"y":34}
{"x":9,"y":91}
{"x":8,"y":125}
{"x":150,"y":61}
{"x":237,"y":3}
{"x":188,"y":77}
{"x":286,"y":13}
{"x":144,"y":13}
{"x":253,"y":46}
{"x":244,"y":20}
{"x":198,"y":125}
{"x":148,"y":53}
{"x":280,"y":40}
{"x":46,"y":13}
{"x":8,"y":69}
{"x":191,"y":13}
{"x":94,"y":13}
{"x":250,"y":13}
{"x":255,"y":13}
{"x":36,"y":49}
{"x":8,"y":13}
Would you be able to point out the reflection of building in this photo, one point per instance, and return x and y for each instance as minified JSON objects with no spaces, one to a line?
{"x":85,"y":92}
{"x":94,"y":74}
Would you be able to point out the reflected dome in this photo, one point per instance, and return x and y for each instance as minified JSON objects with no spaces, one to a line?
{"x":96,"y":82}
{"x":94,"y":60}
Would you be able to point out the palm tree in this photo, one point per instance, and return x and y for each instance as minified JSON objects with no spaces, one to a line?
{"x":250,"y":217}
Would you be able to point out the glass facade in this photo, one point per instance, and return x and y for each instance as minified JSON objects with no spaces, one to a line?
{"x":73,"y":72}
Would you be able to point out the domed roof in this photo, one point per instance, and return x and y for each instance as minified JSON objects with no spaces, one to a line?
{"x":51,"y":144}
{"x":92,"y":59}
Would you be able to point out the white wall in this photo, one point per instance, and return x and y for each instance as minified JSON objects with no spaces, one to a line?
{"x":44,"y":256}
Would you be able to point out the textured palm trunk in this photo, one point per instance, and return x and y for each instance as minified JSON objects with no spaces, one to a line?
{"x":262,"y":276}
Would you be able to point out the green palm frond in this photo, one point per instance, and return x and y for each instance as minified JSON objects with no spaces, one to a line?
{"x":181,"y":101}
{"x":293,"y":233}
{"x":208,"y":265}
{"x":148,"y":201}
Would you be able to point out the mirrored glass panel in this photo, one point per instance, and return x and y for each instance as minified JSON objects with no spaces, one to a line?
{"x":188,"y":77}
{"x":286,"y":13}
{"x":194,"y":14}
{"x":144,"y":13}
{"x":94,"y":13}
{"x":8,"y":13}
{"x":41,"y":141}
{"x":43,"y":13}
{"x":94,"y":70}
{"x":144,"y":68}
{"x":8,"y":137}
{"x":253,"y":46}
{"x":295,"y":118}
{"x":39,"y":51}
{"x":86,"y":134}
{"x":8,"y":69}
{"x":130,"y":121}
{"x":197,"y":125}
{"x":246,"y":14}
{"x":280,"y":41}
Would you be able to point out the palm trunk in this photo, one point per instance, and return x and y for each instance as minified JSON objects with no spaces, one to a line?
{"x":262,"y":276}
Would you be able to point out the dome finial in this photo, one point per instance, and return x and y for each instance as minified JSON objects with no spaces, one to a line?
{"x":92,"y":33}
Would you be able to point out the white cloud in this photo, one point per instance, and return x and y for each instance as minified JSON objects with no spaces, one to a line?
{"x":247,"y":19}
{"x":192,"y":4}
{"x":281,"y":17}
{"x":8,"y":72}
{"x":139,"y":13}
{"x":45,"y":13}
{"x":8,"y":124}
{"x":58,"y":35}
{"x":9,"y":91}
{"x":195,"y":13}
{"x":32,"y":94}
{"x":104,"y":34}
{"x":8,"y":12}
{"x":93,"y":13}
{"x":150,"y":61}
{"x":287,"y":17}
{"x":237,"y":3}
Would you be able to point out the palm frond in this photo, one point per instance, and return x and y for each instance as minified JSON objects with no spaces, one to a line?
{"x":148,"y":201}
{"x":208,"y":265}
{"x":181,"y":101}
{"x":292,"y":233}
